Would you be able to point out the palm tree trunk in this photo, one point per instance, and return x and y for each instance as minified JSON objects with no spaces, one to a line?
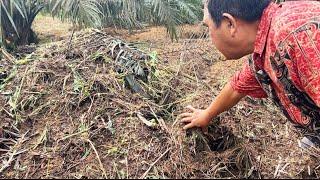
{"x":23,"y":34}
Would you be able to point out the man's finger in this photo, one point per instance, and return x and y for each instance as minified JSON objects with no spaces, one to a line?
{"x":188,"y":126}
{"x":205,"y":130}
{"x":186,"y":120}
{"x":183,"y":115}
{"x":191,"y":108}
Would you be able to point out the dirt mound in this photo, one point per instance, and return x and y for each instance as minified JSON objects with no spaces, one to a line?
{"x":104,"y":108}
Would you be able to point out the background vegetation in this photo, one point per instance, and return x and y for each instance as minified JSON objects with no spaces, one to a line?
{"x":17,"y":16}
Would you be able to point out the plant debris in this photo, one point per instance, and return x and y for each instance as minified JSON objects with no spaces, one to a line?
{"x":108,"y":108}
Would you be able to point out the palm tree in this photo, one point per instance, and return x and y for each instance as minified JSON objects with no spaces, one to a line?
{"x":16,"y":16}
{"x":138,"y":13}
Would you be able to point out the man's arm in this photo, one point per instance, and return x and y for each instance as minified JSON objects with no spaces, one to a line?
{"x":227,"y":98}
{"x":243,"y":83}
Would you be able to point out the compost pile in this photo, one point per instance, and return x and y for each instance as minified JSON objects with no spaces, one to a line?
{"x":99,"y":107}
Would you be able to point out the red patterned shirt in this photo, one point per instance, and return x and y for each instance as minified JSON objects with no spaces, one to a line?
{"x":290,"y":31}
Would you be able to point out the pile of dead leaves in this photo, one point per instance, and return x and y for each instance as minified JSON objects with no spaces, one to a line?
{"x":102,"y":108}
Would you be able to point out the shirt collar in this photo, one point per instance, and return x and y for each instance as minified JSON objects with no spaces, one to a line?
{"x":263,"y":29}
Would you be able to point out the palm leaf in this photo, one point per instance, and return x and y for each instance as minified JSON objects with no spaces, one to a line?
{"x":81,"y":12}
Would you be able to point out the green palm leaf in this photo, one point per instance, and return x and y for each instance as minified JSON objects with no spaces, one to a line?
{"x":82,"y":12}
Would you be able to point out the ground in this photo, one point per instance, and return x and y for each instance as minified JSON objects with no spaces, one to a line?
{"x":67,"y":113}
{"x":50,"y":29}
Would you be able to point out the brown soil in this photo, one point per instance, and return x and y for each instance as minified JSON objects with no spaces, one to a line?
{"x":49,"y":29}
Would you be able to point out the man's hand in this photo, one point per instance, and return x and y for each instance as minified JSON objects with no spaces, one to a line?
{"x":201,"y":118}
{"x":197,"y":118}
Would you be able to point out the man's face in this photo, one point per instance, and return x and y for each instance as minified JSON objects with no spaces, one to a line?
{"x":228,"y":38}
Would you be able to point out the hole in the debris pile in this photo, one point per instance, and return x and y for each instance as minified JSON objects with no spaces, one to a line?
{"x":218,"y":139}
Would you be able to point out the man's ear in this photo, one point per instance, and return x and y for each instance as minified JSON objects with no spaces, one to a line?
{"x":232,"y":23}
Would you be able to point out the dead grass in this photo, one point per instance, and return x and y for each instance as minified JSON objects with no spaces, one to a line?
{"x":49,"y":29}
{"x":69,"y":114}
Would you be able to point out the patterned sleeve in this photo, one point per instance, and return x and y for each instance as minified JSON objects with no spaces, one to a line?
{"x":245,"y":82}
{"x":308,"y":60}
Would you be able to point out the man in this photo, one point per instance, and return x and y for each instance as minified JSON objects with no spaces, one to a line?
{"x":284,"y":43}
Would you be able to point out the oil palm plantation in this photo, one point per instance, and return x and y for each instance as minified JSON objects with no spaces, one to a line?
{"x":17,"y":16}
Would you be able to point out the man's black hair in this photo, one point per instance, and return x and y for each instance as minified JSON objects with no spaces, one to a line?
{"x":247,"y":10}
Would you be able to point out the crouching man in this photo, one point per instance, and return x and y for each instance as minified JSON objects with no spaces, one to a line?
{"x":283,"y":41}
